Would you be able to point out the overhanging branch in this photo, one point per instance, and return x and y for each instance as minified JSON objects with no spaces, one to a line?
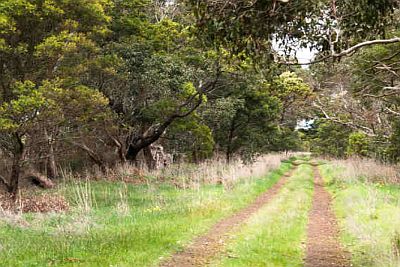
{"x":346,"y":52}
{"x":366,"y":43}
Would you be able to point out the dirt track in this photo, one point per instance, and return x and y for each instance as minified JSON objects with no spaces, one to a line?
{"x":323,"y":247}
{"x":203,"y":248}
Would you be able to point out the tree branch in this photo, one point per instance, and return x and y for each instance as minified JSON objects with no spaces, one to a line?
{"x":368,"y":131}
{"x":345,"y":52}
{"x":366,"y":43}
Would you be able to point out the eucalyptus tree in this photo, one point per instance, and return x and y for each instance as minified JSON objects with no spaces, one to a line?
{"x":337,"y":28}
{"x":46,"y":48}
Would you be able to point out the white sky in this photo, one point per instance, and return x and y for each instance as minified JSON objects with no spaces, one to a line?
{"x":304,"y":55}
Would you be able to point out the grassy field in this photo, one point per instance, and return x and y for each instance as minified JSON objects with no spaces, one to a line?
{"x":117,"y":224}
{"x":368,"y":210}
{"x":275,"y":236}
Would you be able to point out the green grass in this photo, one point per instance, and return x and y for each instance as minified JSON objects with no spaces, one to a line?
{"x":113,"y":224}
{"x":369,"y":215}
{"x":276,"y":234}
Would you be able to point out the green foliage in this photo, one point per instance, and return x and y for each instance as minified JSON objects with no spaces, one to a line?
{"x":241,"y":26}
{"x":393,"y":151}
{"x":358,"y":144}
{"x":191,"y":138}
{"x":331,"y":139}
{"x":290,"y":85}
{"x":21,"y":113}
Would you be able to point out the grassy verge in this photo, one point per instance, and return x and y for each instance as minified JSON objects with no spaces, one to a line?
{"x":276,"y":234}
{"x":369,"y":215}
{"x":115,"y":224}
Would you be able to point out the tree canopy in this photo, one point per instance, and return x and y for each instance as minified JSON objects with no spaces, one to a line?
{"x":103,"y":82}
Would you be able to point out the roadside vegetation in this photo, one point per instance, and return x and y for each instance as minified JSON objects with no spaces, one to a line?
{"x":275,"y":236}
{"x":130,"y":127}
{"x":367,"y":203}
{"x":115,"y":223}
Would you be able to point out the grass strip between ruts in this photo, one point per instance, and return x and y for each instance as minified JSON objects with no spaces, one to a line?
{"x":275,"y":235}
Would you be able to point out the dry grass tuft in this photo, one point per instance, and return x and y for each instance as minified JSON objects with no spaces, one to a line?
{"x":368,"y":169}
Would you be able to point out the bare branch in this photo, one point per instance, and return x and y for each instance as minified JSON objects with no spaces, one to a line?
{"x":392,"y":111}
{"x":346,"y":52}
{"x":368,"y":131}
{"x":366,"y":43}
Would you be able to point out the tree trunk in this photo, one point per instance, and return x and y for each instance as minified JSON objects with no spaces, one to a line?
{"x":4,"y":182}
{"x":228,"y":156}
{"x":19,"y":151}
{"x":93,"y":156}
{"x":154,"y":132}
{"x":51,"y":167}
{"x":148,"y":156}
{"x":132,"y":153}
{"x":121,"y":154}
{"x":230,"y":140}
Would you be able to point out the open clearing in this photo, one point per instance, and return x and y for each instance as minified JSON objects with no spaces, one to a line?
{"x":298,"y":215}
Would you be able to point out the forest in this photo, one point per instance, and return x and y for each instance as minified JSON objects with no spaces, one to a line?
{"x":138,"y":132}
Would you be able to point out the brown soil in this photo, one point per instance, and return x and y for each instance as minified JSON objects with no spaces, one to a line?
{"x":323,"y":247}
{"x":203,"y":248}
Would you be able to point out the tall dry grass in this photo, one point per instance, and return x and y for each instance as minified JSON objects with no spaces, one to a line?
{"x":366,"y":199}
{"x":367,"y":169}
{"x":217,"y":171}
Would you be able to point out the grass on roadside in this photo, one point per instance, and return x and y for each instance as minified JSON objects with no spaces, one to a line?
{"x":369,"y":215}
{"x":276,"y":234}
{"x":114,"y":223}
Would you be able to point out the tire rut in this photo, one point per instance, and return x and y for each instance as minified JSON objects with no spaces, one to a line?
{"x":205,"y":247}
{"x":323,"y":247}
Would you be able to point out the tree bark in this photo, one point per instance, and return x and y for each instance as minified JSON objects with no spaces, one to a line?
{"x":148,"y":156}
{"x":51,"y":167}
{"x":230,"y":140}
{"x":19,"y":151}
{"x":4,"y":182}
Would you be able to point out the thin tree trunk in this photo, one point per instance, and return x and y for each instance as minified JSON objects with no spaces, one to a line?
{"x":51,"y":167}
{"x":16,"y":166}
{"x":148,"y":156}
{"x":230,"y":140}
{"x":52,"y":172}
